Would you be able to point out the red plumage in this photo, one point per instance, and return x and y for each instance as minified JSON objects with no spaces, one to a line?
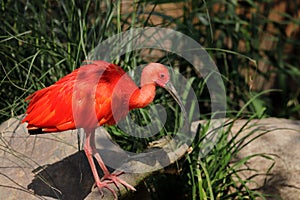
{"x":53,"y":108}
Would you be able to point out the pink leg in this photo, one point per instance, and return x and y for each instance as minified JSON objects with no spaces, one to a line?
{"x":107,"y":175}
{"x":89,"y":152}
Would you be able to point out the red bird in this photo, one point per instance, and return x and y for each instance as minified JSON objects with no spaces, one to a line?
{"x":93,"y":95}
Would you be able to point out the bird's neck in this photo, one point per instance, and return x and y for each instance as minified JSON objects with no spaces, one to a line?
{"x":142,"y":96}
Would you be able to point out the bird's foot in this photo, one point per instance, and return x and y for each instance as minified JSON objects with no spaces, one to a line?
{"x":113,"y":178}
{"x":105,"y":184}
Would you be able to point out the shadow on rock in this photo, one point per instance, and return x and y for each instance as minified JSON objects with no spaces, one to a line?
{"x":70,"y":178}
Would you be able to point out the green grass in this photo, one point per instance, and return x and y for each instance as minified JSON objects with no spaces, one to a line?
{"x":41,"y":41}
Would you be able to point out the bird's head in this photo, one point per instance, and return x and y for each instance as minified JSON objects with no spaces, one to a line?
{"x":155,"y":73}
{"x":159,"y":75}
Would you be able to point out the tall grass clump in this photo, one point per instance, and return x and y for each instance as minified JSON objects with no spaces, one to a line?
{"x":42,"y":41}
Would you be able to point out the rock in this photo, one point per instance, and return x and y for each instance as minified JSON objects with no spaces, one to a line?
{"x":276,"y":169}
{"x":280,"y":139}
{"x":49,"y":166}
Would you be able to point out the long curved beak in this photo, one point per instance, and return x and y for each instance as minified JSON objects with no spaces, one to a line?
{"x":170,"y":88}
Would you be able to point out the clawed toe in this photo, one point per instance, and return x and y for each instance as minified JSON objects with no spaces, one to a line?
{"x":113,"y":178}
{"x":105,"y":184}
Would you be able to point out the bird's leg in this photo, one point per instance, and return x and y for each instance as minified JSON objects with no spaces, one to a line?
{"x":107,"y":175}
{"x":89,"y":152}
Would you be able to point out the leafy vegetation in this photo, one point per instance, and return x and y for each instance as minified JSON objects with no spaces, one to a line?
{"x":253,"y":43}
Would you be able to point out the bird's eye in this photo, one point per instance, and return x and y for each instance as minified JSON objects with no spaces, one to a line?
{"x":162,"y":75}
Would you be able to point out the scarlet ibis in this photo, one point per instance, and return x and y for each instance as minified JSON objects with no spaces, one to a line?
{"x":69,"y":103}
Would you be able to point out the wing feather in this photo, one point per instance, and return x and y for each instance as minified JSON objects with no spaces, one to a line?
{"x":87,"y":89}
